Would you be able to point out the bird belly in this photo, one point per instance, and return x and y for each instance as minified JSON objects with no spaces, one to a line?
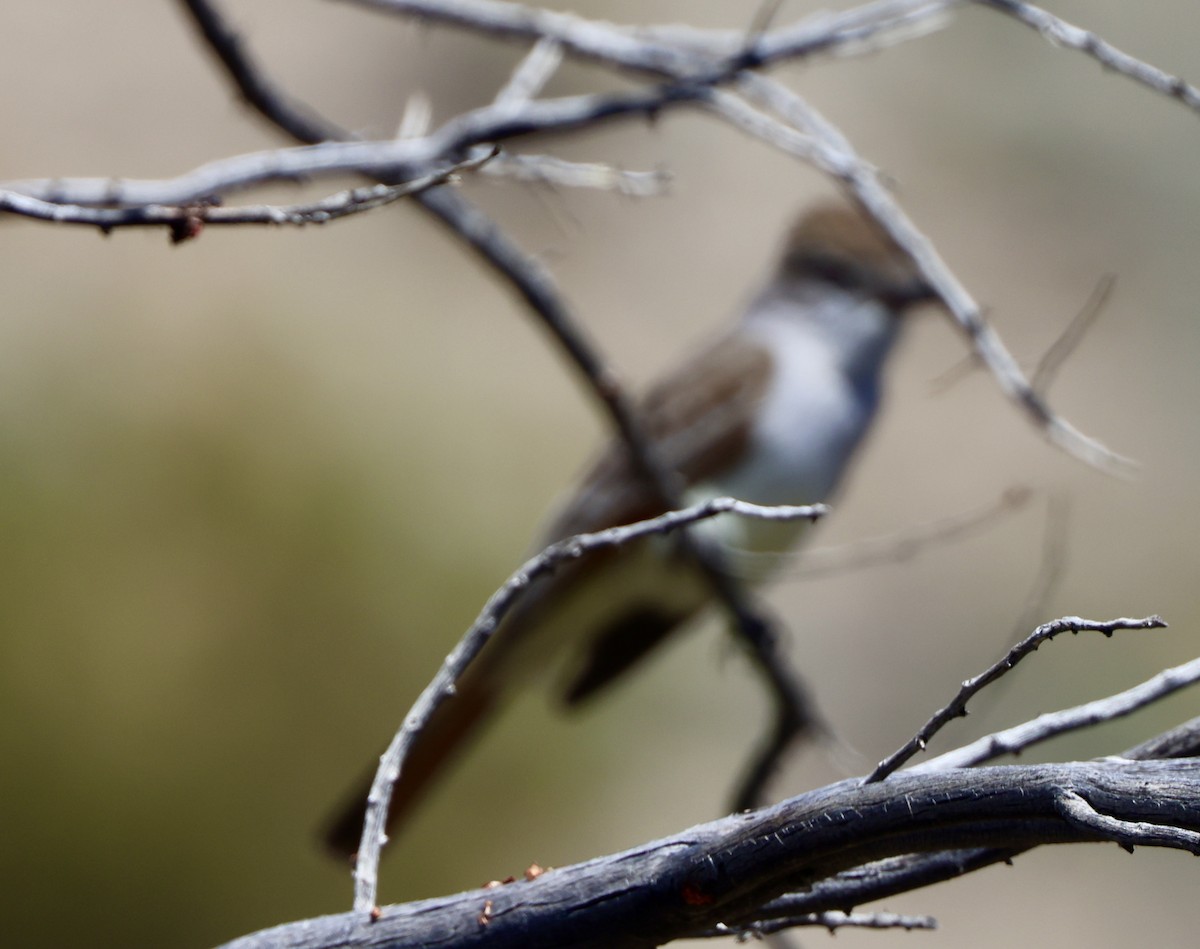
{"x":810,"y":422}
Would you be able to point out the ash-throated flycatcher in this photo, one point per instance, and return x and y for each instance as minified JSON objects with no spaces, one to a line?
{"x":771,"y":412}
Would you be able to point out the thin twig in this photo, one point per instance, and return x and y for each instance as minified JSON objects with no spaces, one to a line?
{"x":1072,"y":335}
{"x":763,"y":17}
{"x":393,"y":160}
{"x":1062,"y":33}
{"x":615,"y":46}
{"x":530,"y":281}
{"x":692,"y":76}
{"x":1013,"y":741}
{"x":909,"y":542}
{"x":1052,"y":564}
{"x":957,"y":707}
{"x":793,"y":711}
{"x":814,"y":139}
{"x":417,"y":116}
{"x":532,"y":73}
{"x":668,"y":51}
{"x":551,"y":170}
{"x":831,"y":921}
{"x":187,"y":221}
{"x":441,"y":686}
{"x":256,"y":87}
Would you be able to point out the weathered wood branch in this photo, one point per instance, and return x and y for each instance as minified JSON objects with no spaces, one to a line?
{"x":841,"y":844}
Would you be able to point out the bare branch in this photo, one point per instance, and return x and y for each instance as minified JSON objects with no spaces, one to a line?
{"x":533,"y":284}
{"x":1059,"y":351}
{"x":302,"y":122}
{"x":909,"y":542}
{"x":665,"y":50}
{"x":441,"y":687}
{"x":1062,"y":33}
{"x":984,"y":340}
{"x":676,"y":51}
{"x":793,"y":712}
{"x":845,"y":845}
{"x":693,"y":75}
{"x":811,"y":137}
{"x":807,"y":134}
{"x":534,"y":71}
{"x":957,"y":706}
{"x":1014,"y":740}
{"x":187,"y":221}
{"x":1124,"y":832}
{"x":901,"y":874}
{"x":831,"y":921}
{"x":393,"y":159}
{"x":842,"y":845}
{"x":550,"y":170}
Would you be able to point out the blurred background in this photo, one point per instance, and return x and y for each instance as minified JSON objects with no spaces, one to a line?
{"x":254,"y":487}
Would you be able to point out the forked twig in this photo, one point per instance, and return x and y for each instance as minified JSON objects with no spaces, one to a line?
{"x":957,"y":706}
{"x":1012,"y":741}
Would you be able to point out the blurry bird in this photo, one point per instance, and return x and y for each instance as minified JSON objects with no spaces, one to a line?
{"x":771,"y":412}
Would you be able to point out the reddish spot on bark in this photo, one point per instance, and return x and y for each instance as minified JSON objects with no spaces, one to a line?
{"x":694,"y":896}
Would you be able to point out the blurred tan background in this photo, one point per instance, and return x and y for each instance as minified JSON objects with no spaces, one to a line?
{"x":254,"y":487}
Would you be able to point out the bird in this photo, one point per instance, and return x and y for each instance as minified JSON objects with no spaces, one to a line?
{"x":771,"y":411}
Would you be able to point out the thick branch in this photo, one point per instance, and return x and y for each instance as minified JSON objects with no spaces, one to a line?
{"x":726,"y":870}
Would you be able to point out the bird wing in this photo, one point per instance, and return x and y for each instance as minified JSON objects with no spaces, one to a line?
{"x":699,"y":420}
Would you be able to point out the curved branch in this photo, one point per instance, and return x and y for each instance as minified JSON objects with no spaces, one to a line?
{"x":442,"y":686}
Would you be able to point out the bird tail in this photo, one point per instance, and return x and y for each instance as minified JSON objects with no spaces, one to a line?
{"x":449,"y":731}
